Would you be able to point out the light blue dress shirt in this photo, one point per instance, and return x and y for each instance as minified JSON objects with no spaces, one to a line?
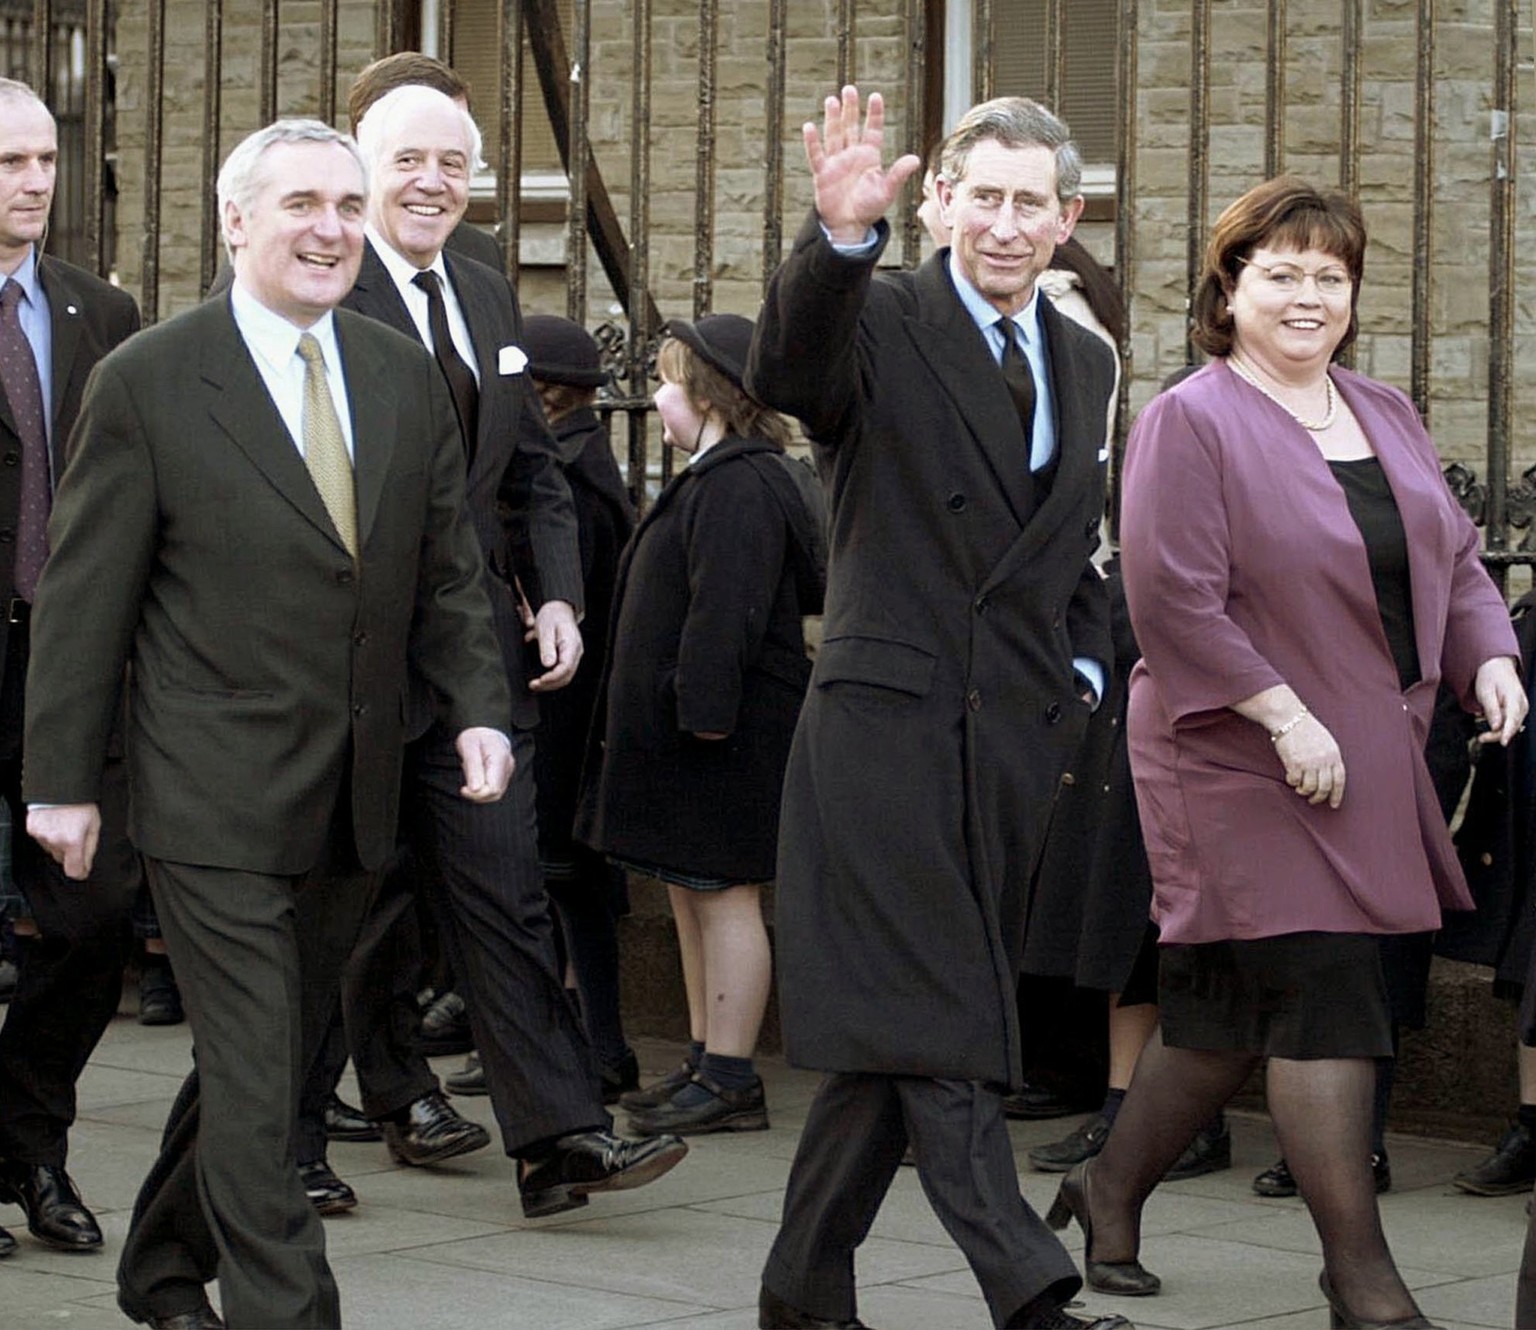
{"x":37,"y":326}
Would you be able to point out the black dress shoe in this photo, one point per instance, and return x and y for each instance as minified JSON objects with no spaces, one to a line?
{"x":345,"y":1123}
{"x":620,"y":1079}
{"x":7,"y":1243}
{"x":1509,"y":1169}
{"x":471,"y":1079}
{"x":593,"y":1161}
{"x":1126,"y":1279}
{"x":658,"y":1092}
{"x":326,"y":1192}
{"x":1083,"y":1142}
{"x":703,"y":1106}
{"x":1209,"y":1152}
{"x":204,"y":1318}
{"x":1341,"y":1318}
{"x":433,"y":1131}
{"x":445,"y":1028}
{"x":159,"y":998}
{"x":1061,"y":1318}
{"x":55,"y":1213}
{"x":1035,"y":1103}
{"x":1277,"y":1179}
{"x":773,"y":1313}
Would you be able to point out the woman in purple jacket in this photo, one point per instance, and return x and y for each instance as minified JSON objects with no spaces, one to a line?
{"x":1300,"y":581}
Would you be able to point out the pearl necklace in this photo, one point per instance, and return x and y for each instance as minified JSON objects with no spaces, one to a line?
{"x":1311,"y":426}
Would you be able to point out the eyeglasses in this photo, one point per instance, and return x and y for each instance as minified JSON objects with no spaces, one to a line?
{"x":1289,"y":277}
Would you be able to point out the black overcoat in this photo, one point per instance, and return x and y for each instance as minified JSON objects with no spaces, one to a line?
{"x":706,"y":638}
{"x":942,"y":709}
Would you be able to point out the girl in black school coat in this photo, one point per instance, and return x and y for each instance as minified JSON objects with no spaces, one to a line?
{"x":707,"y":670}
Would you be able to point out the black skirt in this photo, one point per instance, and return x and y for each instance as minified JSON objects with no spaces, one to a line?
{"x":1299,"y":995}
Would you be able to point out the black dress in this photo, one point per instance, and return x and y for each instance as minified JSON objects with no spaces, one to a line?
{"x":1306,"y":995}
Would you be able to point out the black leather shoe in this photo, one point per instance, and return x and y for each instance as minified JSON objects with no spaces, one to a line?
{"x":773,"y":1313}
{"x":345,"y":1123}
{"x":471,"y":1079}
{"x":1209,"y":1152}
{"x":204,"y":1318}
{"x":1509,"y":1169}
{"x":1277,"y":1179}
{"x":1035,"y":1103}
{"x":657,"y":1093}
{"x":704,"y":1105}
{"x":159,"y":998}
{"x":445,"y":1028}
{"x":326,"y":1192}
{"x":620,"y":1079}
{"x":7,"y":1243}
{"x":55,"y":1213}
{"x":432,"y":1132}
{"x":1126,"y":1279}
{"x":1083,"y":1142}
{"x":1061,"y":1318}
{"x":593,"y":1161}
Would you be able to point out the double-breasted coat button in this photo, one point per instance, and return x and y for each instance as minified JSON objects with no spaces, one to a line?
{"x":973,"y":699}
{"x":13,"y":459}
{"x":956,"y":503}
{"x":360,"y":710}
{"x":982,"y":604}
{"x":344,"y":577}
{"x":359,"y":638}
{"x":7,"y":536}
{"x":1067,"y":778}
{"x":1053,"y":713}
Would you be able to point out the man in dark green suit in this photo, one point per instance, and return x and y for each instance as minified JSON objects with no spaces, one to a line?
{"x":263,"y":519}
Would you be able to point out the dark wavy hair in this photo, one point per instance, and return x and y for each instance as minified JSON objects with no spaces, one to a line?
{"x":1284,"y":212}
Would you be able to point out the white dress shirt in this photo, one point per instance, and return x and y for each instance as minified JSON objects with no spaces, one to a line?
{"x":403,"y":272}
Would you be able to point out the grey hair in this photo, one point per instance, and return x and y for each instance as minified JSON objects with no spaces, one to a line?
{"x":240,"y":178}
{"x":374,"y":127}
{"x":1016,"y":122}
{"x":15,"y":88}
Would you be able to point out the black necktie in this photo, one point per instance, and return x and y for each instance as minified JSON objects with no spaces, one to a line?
{"x":1020,"y":381}
{"x":23,"y":390}
{"x":461,"y":379}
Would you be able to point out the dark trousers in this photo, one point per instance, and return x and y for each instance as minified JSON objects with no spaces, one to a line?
{"x":481,"y":861}
{"x":258,"y":958}
{"x":854,"y":1138}
{"x":71,"y":975}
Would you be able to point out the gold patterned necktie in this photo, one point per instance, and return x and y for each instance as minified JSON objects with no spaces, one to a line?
{"x":325,"y":449}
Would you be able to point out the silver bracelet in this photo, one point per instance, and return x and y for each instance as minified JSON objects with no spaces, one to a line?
{"x":1276,"y":735}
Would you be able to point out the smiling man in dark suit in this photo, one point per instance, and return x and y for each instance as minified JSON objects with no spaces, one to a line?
{"x":56,"y":322}
{"x":483,"y":862}
{"x":264,"y":517}
{"x":959,"y":421}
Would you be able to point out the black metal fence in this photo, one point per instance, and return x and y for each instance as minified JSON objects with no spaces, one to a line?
{"x":77,"y":61}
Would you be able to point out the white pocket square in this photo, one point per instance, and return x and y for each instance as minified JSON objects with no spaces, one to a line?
{"x":1103,"y":452}
{"x":510,"y":360}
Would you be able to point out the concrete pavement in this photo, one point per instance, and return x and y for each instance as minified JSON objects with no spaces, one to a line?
{"x":447,"y":1248}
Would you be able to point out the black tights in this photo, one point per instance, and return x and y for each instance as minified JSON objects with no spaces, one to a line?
{"x":1322,"y":1115}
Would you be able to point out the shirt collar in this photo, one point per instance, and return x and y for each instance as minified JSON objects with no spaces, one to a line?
{"x":985,"y":314}
{"x":26,"y":277}
{"x":272,"y":337}
{"x":400,"y":268}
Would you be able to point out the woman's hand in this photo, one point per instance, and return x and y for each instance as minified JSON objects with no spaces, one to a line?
{"x":1501,"y":699}
{"x":1314,"y":767}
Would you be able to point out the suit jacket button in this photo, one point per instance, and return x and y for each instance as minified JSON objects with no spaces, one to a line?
{"x":7,"y":536}
{"x":1053,"y":713}
{"x":13,"y":459}
{"x":359,"y":638}
{"x":344,"y":577}
{"x":1067,"y":778}
{"x":982,"y":604}
{"x":360,"y":710}
{"x":956,"y":503}
{"x":973,"y":699}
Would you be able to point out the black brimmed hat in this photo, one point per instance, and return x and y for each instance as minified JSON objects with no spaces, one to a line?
{"x":560,"y":351}
{"x":721,"y":340}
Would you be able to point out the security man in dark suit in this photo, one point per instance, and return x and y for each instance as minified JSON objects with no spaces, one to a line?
{"x":56,"y":322}
{"x":263,"y":516}
{"x":422,"y":149}
{"x":959,"y":422}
